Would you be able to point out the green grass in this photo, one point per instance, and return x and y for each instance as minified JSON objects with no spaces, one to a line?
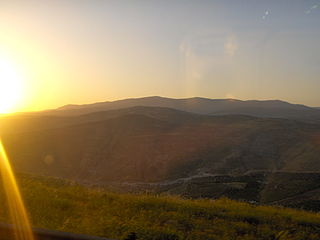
{"x":64,"y":206}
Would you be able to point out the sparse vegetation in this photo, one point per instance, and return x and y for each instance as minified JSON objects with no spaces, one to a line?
{"x":65,"y":206}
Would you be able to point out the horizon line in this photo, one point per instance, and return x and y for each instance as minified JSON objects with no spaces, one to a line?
{"x":154,"y":96}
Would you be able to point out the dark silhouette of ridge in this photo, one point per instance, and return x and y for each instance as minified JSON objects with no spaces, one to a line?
{"x":198,"y":105}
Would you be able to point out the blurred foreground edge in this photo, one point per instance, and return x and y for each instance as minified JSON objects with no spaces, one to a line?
{"x":7,"y":233}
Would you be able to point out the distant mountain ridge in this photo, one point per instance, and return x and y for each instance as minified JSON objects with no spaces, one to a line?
{"x":198,"y":105}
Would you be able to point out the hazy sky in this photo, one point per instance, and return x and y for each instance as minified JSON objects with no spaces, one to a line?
{"x":74,"y":51}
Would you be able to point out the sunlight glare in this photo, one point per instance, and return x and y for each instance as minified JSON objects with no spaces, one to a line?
{"x":10,"y":85}
{"x":16,"y":206}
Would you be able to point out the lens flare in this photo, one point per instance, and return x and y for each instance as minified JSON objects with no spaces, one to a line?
{"x":17,"y":210}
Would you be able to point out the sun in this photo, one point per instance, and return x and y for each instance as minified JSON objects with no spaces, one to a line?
{"x":10,"y":86}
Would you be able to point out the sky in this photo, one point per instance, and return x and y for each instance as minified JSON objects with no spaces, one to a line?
{"x":83,"y":51}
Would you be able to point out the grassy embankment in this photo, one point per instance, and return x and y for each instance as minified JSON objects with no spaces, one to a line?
{"x":60,"y":205}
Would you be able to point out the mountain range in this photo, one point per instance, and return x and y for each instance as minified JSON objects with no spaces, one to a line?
{"x":263,"y":151}
{"x":267,"y":108}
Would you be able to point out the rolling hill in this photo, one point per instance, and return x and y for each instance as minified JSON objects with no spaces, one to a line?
{"x":152,"y":144}
{"x":166,"y":150}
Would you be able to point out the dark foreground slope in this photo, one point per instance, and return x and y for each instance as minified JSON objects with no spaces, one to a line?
{"x":60,"y":205}
{"x":291,"y":189}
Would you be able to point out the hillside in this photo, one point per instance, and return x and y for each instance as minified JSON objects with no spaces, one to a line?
{"x":263,"y":108}
{"x":61,"y":205}
{"x":153,"y":144}
{"x":166,"y":150}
